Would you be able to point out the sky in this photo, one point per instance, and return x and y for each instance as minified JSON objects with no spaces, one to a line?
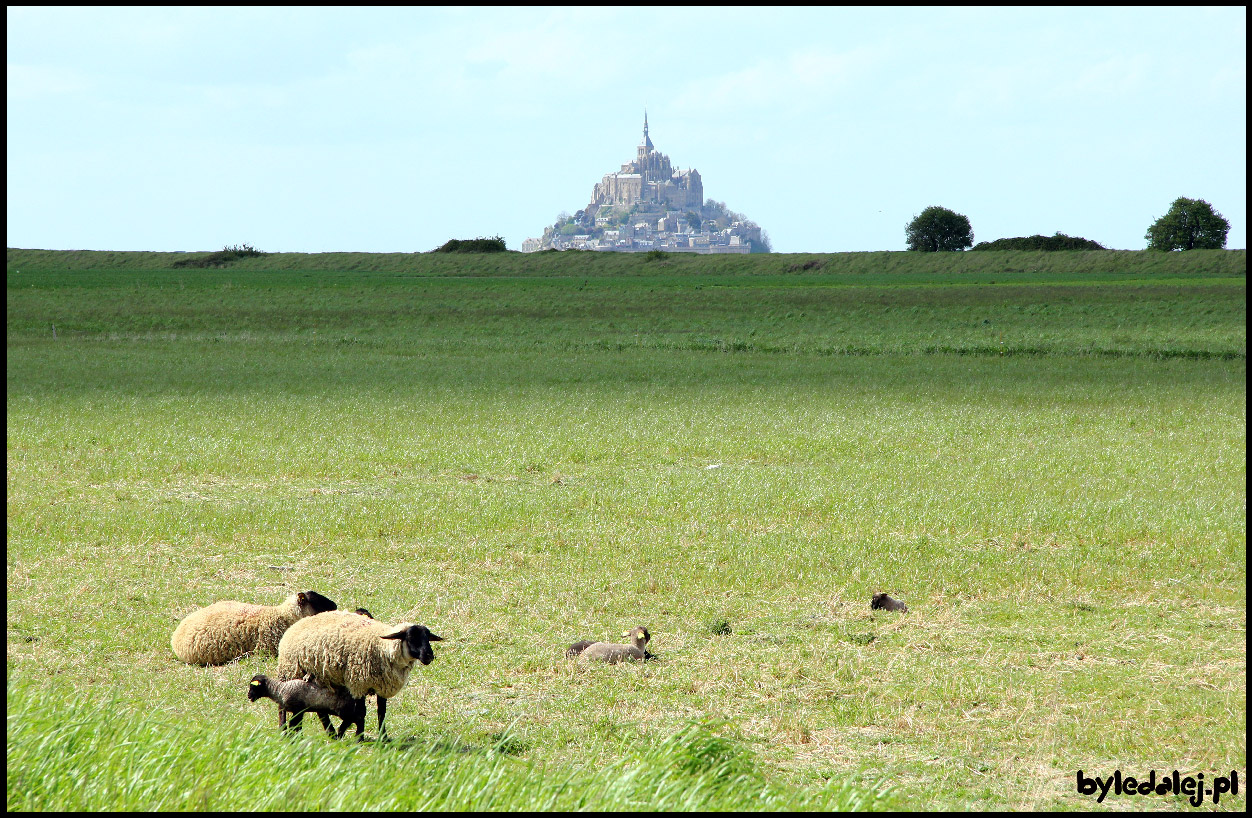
{"x":395,"y":129}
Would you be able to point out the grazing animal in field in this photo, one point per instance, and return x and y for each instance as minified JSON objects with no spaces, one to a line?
{"x":227,"y":630}
{"x":300,"y":696}
{"x":612,"y":652}
{"x":358,"y":653}
{"x":883,"y":602}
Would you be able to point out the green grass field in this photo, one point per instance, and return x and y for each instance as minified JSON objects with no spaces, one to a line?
{"x":1042,"y":453}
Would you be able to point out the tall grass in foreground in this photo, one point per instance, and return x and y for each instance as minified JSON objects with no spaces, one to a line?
{"x":84,"y":755}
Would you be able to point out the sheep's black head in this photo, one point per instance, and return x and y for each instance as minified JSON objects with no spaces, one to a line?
{"x":311,"y":603}
{"x":416,"y":640}
{"x":363,"y":612}
{"x":639,"y":636}
{"x":256,"y":687}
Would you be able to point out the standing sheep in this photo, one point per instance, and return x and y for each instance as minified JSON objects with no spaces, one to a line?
{"x":352,"y":651}
{"x":226,"y":630}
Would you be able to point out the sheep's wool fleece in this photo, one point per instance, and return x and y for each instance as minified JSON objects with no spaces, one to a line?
{"x":346,"y":649}
{"x":297,"y":694}
{"x":611,"y":652}
{"x":226,"y":630}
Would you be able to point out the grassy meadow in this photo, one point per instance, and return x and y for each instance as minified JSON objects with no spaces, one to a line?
{"x":1043,"y":454}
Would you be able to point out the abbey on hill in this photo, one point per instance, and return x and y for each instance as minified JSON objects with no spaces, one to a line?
{"x":648,"y":205}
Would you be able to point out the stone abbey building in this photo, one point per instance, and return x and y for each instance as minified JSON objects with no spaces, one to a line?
{"x":649,"y":179}
{"x":648,"y":205}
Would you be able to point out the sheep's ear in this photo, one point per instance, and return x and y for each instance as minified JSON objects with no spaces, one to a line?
{"x":255,"y":683}
{"x":626,"y":633}
{"x":301,"y":599}
{"x":433,"y":638}
{"x":397,"y":635}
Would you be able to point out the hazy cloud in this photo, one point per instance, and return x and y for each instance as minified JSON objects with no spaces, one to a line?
{"x":30,"y":82}
{"x":803,"y":81}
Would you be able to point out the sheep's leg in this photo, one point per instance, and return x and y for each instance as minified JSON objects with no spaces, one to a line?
{"x":282,"y":719}
{"x":296,"y":719}
{"x":325,"y":719}
{"x":358,"y":718}
{"x":382,"y":714}
{"x":354,"y":717}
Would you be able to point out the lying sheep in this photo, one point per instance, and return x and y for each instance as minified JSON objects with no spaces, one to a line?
{"x":355,"y":652}
{"x":883,"y":602}
{"x":226,"y":630}
{"x":300,"y":696}
{"x":612,"y":652}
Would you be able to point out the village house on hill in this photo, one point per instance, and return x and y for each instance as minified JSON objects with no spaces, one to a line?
{"x":648,"y":205}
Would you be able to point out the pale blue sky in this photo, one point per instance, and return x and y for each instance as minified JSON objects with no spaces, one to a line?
{"x":396,"y":129}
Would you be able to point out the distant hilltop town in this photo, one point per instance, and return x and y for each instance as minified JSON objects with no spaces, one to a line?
{"x":648,"y":205}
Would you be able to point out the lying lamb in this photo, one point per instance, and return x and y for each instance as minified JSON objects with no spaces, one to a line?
{"x":883,"y":602}
{"x":612,"y":652}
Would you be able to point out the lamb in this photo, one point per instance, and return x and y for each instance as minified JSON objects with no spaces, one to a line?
{"x":227,"y":630}
{"x":358,"y":653}
{"x":612,"y":652}
{"x":300,"y":696}
{"x":886,"y":603}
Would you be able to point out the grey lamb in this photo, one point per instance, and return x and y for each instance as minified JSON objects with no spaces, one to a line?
{"x":299,"y":696}
{"x":612,"y":652}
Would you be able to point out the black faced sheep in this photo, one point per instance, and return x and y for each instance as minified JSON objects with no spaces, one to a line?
{"x":227,"y":630}
{"x":357,"y":653}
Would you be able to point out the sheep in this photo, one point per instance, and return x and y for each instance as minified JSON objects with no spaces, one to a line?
{"x":357,"y":653}
{"x":612,"y":652}
{"x":886,"y":603}
{"x":581,"y":645}
{"x":300,"y":696}
{"x":227,"y":630}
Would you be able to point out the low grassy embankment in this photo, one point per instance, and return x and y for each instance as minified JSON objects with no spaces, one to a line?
{"x":520,"y":451}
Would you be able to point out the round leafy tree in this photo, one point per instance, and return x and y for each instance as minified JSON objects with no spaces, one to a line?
{"x":1190,"y":224}
{"x":938,"y":228}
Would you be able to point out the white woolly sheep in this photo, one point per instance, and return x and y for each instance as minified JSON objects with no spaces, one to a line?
{"x":227,"y":630}
{"x":612,"y":652}
{"x":355,"y":652}
{"x":300,"y":696}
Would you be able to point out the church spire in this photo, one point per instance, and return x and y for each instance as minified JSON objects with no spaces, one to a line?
{"x":647,"y":143}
